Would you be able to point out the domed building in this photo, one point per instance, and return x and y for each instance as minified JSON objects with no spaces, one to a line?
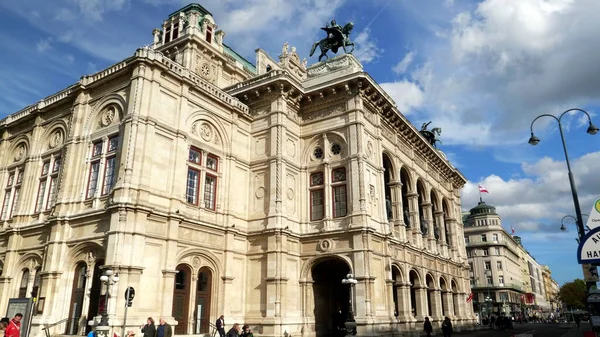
{"x":501,"y":270}
{"x":214,"y":186}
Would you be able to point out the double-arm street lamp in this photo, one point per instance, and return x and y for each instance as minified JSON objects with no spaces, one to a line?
{"x":592,"y":130}
{"x":350,"y":322}
{"x":108,"y":278}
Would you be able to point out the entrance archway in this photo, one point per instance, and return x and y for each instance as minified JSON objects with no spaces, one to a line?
{"x":330,"y":296}
{"x":203,"y":300}
{"x":77,"y":295}
{"x":181,"y":296}
{"x":94,"y":307}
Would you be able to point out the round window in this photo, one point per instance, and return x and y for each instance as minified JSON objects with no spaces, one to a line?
{"x":336,"y":149}
{"x":318,"y":153}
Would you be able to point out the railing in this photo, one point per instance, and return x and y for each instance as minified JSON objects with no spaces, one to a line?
{"x":47,"y":327}
{"x":213,"y":328}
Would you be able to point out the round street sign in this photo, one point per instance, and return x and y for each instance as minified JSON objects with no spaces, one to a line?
{"x":129,"y":294}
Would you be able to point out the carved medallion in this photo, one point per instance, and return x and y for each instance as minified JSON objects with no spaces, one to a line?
{"x":56,"y":139}
{"x":206,"y":132}
{"x":369,"y":149}
{"x":20,"y":152}
{"x":325,"y":245}
{"x":204,"y":70}
{"x":196,"y":262}
{"x":290,"y":194}
{"x":260,"y":192}
{"x":108,"y":116}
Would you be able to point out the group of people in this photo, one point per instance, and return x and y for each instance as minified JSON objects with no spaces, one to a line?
{"x":235,"y":331}
{"x":502,"y":322}
{"x":11,"y":327}
{"x":446,"y":327}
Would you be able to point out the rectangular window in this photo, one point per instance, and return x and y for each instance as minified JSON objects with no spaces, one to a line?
{"x":93,"y":179}
{"x":486,"y":252}
{"x":96,"y":149}
{"x":490,"y":281}
{"x":11,"y":180}
{"x":466,"y":239}
{"x":483,"y":238}
{"x":45,"y":168}
{"x":339,"y":201}
{"x":501,"y":280}
{"x":15,"y":202}
{"x":20,"y":177}
{"x":495,"y":237}
{"x":209,"y":32}
{"x":5,"y":205}
{"x":497,"y":250}
{"x":212,"y":163}
{"x":53,"y":193}
{"x":471,"y":266}
{"x":338,"y":181}
{"x":195,"y":156}
{"x":109,"y":175}
{"x":488,"y":265}
{"x":191,"y":191}
{"x":39,"y":204}
{"x":499,"y":265}
{"x":113,"y":144}
{"x":317,"y":206}
{"x":210,"y":192}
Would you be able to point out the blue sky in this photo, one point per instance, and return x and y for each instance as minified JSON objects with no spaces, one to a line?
{"x":481,"y":70}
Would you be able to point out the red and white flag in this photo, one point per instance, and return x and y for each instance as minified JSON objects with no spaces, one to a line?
{"x":470,"y":298}
{"x":513,"y":230}
{"x":483,"y":190}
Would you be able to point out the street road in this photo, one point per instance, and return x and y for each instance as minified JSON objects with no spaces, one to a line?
{"x":536,"y":329}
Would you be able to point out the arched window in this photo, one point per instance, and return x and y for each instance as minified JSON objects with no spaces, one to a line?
{"x":23,"y":285}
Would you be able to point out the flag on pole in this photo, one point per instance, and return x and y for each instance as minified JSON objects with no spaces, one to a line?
{"x":513,"y":230}
{"x":483,"y":190}
{"x":470,"y":298}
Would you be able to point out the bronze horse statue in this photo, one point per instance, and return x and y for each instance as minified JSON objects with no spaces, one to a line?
{"x":431,"y":135}
{"x":337,"y":37}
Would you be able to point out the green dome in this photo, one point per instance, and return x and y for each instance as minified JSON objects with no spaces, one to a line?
{"x":483,"y":209}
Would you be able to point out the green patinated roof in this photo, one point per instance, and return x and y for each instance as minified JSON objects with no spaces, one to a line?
{"x":189,"y":8}
{"x":239,"y":57}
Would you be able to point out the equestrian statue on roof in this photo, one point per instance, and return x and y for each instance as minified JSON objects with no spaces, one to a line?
{"x":337,"y":37}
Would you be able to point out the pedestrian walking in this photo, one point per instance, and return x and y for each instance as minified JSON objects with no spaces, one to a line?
{"x":14,"y":327}
{"x":149,"y":330}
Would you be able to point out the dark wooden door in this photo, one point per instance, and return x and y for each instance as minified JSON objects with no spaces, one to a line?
{"x":203,"y":299}
{"x":181,"y":296}
{"x":77,"y":294}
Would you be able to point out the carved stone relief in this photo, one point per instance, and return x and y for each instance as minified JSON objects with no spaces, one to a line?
{"x":56,"y":138}
{"x":369,"y":149}
{"x":205,"y":131}
{"x":20,"y":152}
{"x":108,"y":116}
{"x":335,"y":110}
{"x":325,"y":245}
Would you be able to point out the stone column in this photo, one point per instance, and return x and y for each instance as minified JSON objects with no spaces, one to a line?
{"x":448,"y":304}
{"x":430,"y":237}
{"x":404,"y":308}
{"x":436,"y":305}
{"x":421,"y":300}
{"x":399,"y":230}
{"x":439,"y":219}
{"x":415,"y":223}
{"x":391,"y":305}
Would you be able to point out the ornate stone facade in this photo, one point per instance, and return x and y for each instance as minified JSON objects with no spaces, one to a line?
{"x":250,"y":192}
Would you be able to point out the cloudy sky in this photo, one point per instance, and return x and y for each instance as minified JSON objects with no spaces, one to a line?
{"x":481,"y":70}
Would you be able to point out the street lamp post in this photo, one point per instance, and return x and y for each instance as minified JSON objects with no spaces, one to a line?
{"x":488,"y":302}
{"x":592,"y":130}
{"x":108,"y":278}
{"x":350,"y":324}
{"x":562,"y":224}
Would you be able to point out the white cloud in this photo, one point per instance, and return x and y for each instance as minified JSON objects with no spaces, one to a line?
{"x":501,"y":63}
{"x":538,"y":201}
{"x":366,"y":47}
{"x":407,"y":95}
{"x":403,"y":65}
{"x":44,"y":44}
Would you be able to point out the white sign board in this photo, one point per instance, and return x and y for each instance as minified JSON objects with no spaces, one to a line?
{"x":594,"y":218}
{"x":589,"y":247}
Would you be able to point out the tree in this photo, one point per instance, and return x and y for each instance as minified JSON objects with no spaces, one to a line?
{"x":573,"y":294}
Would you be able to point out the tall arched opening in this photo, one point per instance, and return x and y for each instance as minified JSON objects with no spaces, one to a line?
{"x":388,"y":171}
{"x":434,"y":209}
{"x":77,"y":296}
{"x":181,"y":299}
{"x":203,"y":300}
{"x":447,"y":231}
{"x":421,"y":201}
{"x":430,"y":295}
{"x":95,"y":290}
{"x":330,"y":296}
{"x":415,"y":284}
{"x":455,"y":298}
{"x":444,"y":288}
{"x":405,"y":180}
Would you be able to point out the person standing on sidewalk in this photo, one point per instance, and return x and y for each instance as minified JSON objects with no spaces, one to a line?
{"x":427,"y":327}
{"x":577,"y":320}
{"x":447,"y":327}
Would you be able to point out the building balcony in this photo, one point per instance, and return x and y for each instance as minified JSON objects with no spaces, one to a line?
{"x":497,"y":286}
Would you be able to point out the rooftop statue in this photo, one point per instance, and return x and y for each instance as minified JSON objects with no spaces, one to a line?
{"x":337,"y":37}
{"x":432,"y":135}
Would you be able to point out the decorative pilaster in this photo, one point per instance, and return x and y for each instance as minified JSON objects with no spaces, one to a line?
{"x":421,"y":301}
{"x":436,"y":305}
{"x":415,"y":221}
{"x":404,"y":308}
{"x":448,"y":304}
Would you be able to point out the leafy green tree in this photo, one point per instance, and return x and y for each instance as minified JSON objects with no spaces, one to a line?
{"x":573,"y":294}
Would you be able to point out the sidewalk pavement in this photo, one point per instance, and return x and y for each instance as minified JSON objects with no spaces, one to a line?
{"x":574,"y":332}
